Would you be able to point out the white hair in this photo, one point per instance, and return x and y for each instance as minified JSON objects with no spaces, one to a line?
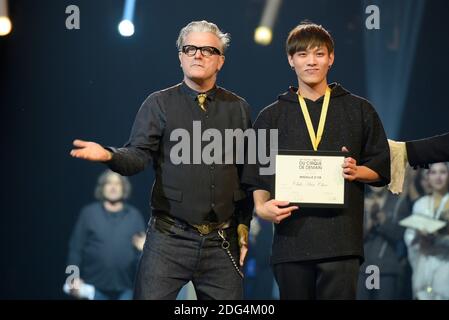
{"x":203,"y":26}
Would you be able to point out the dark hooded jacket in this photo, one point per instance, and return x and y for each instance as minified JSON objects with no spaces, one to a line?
{"x":317,"y":233}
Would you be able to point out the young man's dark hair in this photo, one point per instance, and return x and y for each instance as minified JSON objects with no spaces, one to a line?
{"x":306,"y":36}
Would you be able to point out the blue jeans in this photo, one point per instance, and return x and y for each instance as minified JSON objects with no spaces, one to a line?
{"x":180,"y":254}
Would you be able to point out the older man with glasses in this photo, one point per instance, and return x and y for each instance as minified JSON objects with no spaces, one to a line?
{"x":200,"y":211}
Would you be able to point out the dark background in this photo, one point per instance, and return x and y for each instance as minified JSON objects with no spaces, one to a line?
{"x":58,"y":84}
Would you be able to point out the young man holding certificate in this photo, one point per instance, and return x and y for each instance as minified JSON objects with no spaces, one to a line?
{"x":318,"y":245}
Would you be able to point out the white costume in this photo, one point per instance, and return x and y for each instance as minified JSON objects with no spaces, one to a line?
{"x":430,"y":271}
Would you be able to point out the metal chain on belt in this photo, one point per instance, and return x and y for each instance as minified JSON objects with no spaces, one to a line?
{"x":225,"y":245}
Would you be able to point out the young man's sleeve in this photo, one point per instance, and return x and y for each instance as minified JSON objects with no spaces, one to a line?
{"x":251,"y":172}
{"x":375,"y":150}
{"x":144,"y":140}
{"x":245,"y":205}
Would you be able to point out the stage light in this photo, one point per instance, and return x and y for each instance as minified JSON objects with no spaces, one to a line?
{"x":263,"y":35}
{"x":264,"y":32}
{"x":5,"y":26}
{"x":126,"y":28}
{"x":5,"y":22}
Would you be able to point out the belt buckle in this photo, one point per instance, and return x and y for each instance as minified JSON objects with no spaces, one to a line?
{"x":204,"y":229}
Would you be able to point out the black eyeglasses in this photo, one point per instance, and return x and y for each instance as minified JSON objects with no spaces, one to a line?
{"x":206,"y":51}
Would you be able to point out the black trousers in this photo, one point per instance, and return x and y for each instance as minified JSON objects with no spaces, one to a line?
{"x":334,"y":279}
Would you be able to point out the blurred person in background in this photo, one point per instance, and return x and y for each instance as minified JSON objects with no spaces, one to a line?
{"x":429,"y":252}
{"x":259,"y":280}
{"x":416,"y":185}
{"x":107,"y":240}
{"x":382,"y":238}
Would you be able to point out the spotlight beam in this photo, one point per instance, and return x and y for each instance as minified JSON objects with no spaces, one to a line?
{"x":126,"y":26}
{"x":264,"y":32}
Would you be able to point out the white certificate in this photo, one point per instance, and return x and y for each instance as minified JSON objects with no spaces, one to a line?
{"x":422,"y":223}
{"x":310,"y":179}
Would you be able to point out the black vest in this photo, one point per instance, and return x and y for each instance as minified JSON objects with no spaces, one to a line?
{"x":201,"y":192}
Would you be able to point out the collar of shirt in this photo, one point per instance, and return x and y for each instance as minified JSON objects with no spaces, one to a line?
{"x":193,"y":94}
{"x":116,"y":214}
{"x":293,"y":92}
